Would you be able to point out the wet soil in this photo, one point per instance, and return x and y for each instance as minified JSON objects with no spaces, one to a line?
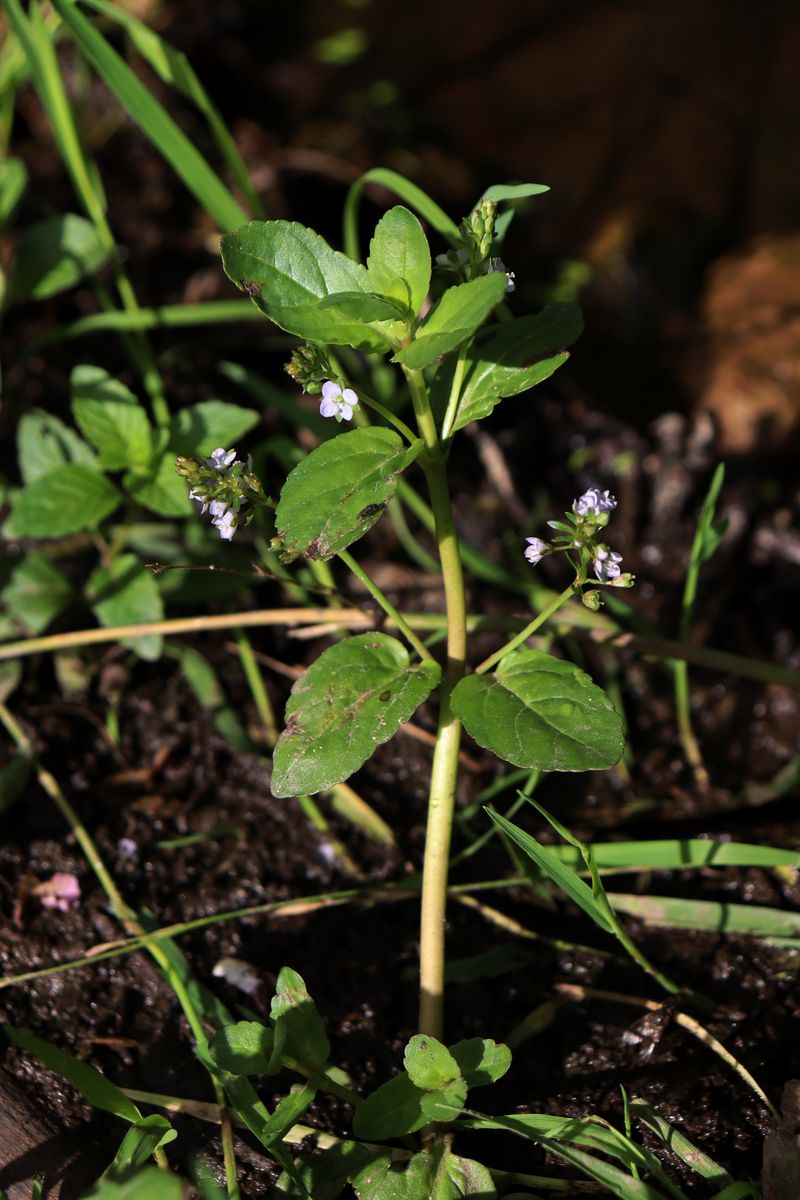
{"x":620,"y":415}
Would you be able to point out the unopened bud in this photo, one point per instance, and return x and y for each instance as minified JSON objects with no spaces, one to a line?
{"x":592,"y":600}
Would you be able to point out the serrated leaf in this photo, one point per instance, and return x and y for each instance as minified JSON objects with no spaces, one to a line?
{"x":126,"y":593}
{"x":203,"y":427}
{"x":461,"y":310}
{"x":242,"y":1049}
{"x":36,"y":592}
{"x":64,"y":500}
{"x":287,"y":269}
{"x":13,"y":181}
{"x":44,"y":442}
{"x":481,"y":1061}
{"x":366,"y":306}
{"x":515,"y":358}
{"x":353,"y":698}
{"x":392,"y":1110}
{"x":539,"y":711}
{"x":94,"y":1087}
{"x":297,"y":1022}
{"x":161,"y":489}
{"x":55,"y":254}
{"x":111,"y":418}
{"x":429,"y":1064}
{"x":339,"y":491}
{"x":445,"y":1104}
{"x":324,"y":1175}
{"x":399,"y":262}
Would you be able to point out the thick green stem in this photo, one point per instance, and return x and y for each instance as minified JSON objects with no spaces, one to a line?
{"x":444,"y":773}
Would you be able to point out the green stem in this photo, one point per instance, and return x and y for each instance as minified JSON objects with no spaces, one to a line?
{"x":385,"y":604}
{"x":388,"y":415}
{"x":455,"y":392}
{"x":524,"y":634}
{"x":257,"y":687}
{"x":444,"y":773}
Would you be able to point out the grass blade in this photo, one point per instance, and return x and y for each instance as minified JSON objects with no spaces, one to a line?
{"x":686,"y":1151}
{"x":153,"y":120}
{"x":672,"y":912}
{"x":414,"y":196}
{"x":679,"y":855}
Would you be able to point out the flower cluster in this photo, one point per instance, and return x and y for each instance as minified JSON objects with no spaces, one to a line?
{"x":224,"y":487}
{"x":475,"y":256}
{"x":578,"y":536}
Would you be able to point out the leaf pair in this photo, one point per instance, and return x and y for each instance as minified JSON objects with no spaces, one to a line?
{"x":433,"y":1086}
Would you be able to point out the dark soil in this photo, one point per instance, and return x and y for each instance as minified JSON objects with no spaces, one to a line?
{"x":172,"y":774}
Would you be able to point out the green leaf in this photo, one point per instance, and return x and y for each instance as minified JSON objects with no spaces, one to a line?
{"x":153,"y":119}
{"x":366,"y":306}
{"x":111,"y":418}
{"x":519,"y":355}
{"x":565,"y":878}
{"x":465,"y":1178}
{"x":65,"y":500}
{"x":44,"y":442}
{"x":94,"y":1087}
{"x":203,"y":427}
{"x":339,"y":491}
{"x":455,"y":318}
{"x":399,"y":262}
{"x":353,"y":698}
{"x":242,"y":1049}
{"x":445,"y":1104}
{"x":324,"y":1175}
{"x":429,"y":1064}
{"x":149,"y":1184}
{"x":539,"y":711}
{"x":54,"y":255}
{"x":385,"y":1179}
{"x":140,"y":1143}
{"x":13,"y":181}
{"x":162,"y":489}
{"x":36,"y":592}
{"x":513,"y":191}
{"x":481,"y":1061}
{"x":392,"y":1110}
{"x":287,"y":269}
{"x":297,"y":1023}
{"x":126,"y":593}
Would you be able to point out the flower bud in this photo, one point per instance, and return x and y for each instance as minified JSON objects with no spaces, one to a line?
{"x":592,"y":600}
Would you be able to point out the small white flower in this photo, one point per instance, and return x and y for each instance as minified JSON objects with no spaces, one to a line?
{"x":535,"y":550}
{"x":594,"y":502}
{"x":337,"y":403}
{"x":606,"y":564}
{"x":226,"y":523}
{"x":199,"y":495}
{"x":497,"y":264}
{"x":221,"y":458}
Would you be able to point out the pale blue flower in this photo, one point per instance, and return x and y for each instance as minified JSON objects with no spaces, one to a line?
{"x":594,"y":502}
{"x":221,"y":458}
{"x":497,"y":264}
{"x":337,"y":403}
{"x":606,"y":564}
{"x":535,"y":550}
{"x":225,"y":522}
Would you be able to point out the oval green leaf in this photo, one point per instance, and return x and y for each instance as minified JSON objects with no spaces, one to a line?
{"x":399,"y":260}
{"x":64,"y":500}
{"x":519,"y":355}
{"x":54,"y":255}
{"x":429,"y":1063}
{"x":539,"y":711}
{"x":455,"y":318}
{"x":339,"y":491}
{"x":287,"y":270}
{"x":352,"y":699}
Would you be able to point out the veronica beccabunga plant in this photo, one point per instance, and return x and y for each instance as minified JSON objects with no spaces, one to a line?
{"x":458,"y":351}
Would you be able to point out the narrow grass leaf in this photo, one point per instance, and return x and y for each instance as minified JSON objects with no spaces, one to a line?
{"x":140,"y":1143}
{"x":405,"y":190}
{"x":154,"y":121}
{"x":13,"y":181}
{"x":677,"y":913}
{"x":680,"y":1145}
{"x":94,"y":1087}
{"x":680,"y":855}
{"x":565,"y":878}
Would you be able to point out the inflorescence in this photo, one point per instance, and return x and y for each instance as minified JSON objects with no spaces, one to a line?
{"x":223,"y":486}
{"x":578,"y":536}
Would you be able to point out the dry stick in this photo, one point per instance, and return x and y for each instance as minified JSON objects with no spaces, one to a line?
{"x":124,"y":914}
{"x":578,"y":992}
{"x":354,"y":618}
